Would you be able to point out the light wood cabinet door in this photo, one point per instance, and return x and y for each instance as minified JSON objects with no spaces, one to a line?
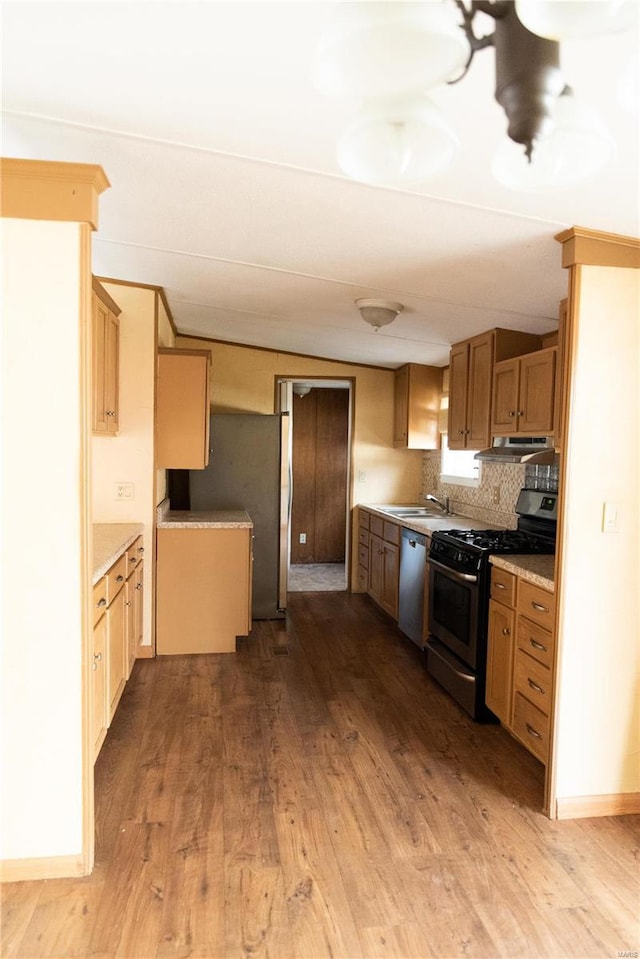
{"x":105,"y":366}
{"x":134,"y":606}
{"x":478,"y":435}
{"x":458,"y":379}
{"x":559,"y":401}
{"x":417,"y":396}
{"x":500,"y":661}
{"x":182,"y":409}
{"x":390,"y":579}
{"x":376,"y":567}
{"x":536,"y":393}
{"x":99,"y":717}
{"x":116,"y":651}
{"x":506,"y":383}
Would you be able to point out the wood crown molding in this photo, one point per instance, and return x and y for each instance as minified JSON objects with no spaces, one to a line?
{"x":48,"y":190}
{"x":595,"y":248}
{"x":159,"y":290}
{"x":102,"y":294}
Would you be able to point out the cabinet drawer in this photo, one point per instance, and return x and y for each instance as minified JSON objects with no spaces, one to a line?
{"x":535,"y":641}
{"x":392,"y":533}
{"x":363,"y":556}
{"x":363,"y":518}
{"x":99,"y":599}
{"x":531,"y":727}
{"x":135,"y":555}
{"x":533,"y":680}
{"x":503,"y":586}
{"x":115,"y":578}
{"x":363,"y":537}
{"x":376,"y":525}
{"x":536,"y":604}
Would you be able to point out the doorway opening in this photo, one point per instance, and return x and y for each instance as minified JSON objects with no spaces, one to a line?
{"x":320,"y":470}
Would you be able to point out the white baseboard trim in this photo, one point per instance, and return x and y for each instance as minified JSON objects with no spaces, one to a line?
{"x":50,"y":867}
{"x":584,"y":807}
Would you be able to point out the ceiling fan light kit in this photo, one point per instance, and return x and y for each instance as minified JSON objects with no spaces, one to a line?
{"x":393,"y":53}
{"x":378,"y":312}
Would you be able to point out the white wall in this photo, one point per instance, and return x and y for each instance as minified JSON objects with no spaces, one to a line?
{"x":129,"y":456}
{"x":166,"y":338}
{"x":42,"y":534}
{"x":598,"y":718}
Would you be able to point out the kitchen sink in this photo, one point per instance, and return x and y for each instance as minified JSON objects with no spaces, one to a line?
{"x":404,"y":512}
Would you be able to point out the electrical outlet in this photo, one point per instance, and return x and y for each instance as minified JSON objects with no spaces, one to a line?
{"x":496,"y":495}
{"x":124,"y":490}
{"x":303,"y":538}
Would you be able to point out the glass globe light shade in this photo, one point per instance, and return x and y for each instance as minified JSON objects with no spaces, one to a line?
{"x":569,"y":19}
{"x":578,"y":147}
{"x":379,"y":49}
{"x":396,"y":141}
{"x":377,"y":312}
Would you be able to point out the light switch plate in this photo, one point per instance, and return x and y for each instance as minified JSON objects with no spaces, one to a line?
{"x":124,"y":490}
{"x":610,"y":518}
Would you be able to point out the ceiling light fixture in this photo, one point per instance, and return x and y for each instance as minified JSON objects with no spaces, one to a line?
{"x":386,"y":53}
{"x":378,"y":312}
{"x":301,"y":389}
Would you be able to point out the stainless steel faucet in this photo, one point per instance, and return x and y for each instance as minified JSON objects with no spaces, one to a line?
{"x":443,"y":506}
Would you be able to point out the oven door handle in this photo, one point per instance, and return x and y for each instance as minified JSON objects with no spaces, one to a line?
{"x":453,"y":573}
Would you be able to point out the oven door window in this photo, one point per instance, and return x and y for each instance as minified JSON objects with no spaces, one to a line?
{"x":453,"y":614}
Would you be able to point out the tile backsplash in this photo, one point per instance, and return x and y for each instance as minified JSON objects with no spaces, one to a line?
{"x":478,"y":502}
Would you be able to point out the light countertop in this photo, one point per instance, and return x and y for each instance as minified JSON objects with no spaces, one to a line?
{"x":536,"y":569}
{"x":429,"y":524}
{"x":109,"y":543}
{"x":205,"y":519}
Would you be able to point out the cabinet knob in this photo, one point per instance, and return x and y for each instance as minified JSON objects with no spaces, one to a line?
{"x":101,"y":602}
{"x":519,"y":412}
{"x":461,"y":432}
{"x":110,"y":412}
{"x":512,"y":412}
{"x":133,"y":559}
{"x":97,"y":656}
{"x":120,"y":579}
{"x":506,"y":632}
{"x":139,"y":586}
{"x":141,"y":549}
{"x":128,"y":603}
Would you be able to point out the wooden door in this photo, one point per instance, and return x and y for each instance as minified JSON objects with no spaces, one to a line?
{"x":116,"y":628}
{"x":478,"y":435}
{"x":99,"y":685}
{"x":458,"y":381}
{"x":401,"y":407}
{"x":499,"y":689}
{"x":100,"y":317}
{"x":376,"y":567}
{"x":111,"y":365}
{"x":319,"y":466}
{"x":536,"y":394}
{"x":505,"y":397}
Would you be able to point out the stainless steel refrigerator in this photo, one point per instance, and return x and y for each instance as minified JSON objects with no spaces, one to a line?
{"x":248,"y":469}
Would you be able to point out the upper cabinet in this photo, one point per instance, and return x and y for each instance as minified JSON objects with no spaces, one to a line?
{"x":182,"y":409}
{"x":417,"y":393}
{"x":105,"y":317}
{"x":524,"y":394}
{"x":471,"y":369}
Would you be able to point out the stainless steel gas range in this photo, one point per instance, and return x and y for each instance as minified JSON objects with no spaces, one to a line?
{"x":459,"y":585}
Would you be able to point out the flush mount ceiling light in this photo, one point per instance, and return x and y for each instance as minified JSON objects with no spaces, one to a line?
{"x":378,"y":312}
{"x":399,"y":137}
{"x":301,"y":389}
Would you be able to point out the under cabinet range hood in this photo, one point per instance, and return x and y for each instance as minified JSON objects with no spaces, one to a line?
{"x":523,"y":449}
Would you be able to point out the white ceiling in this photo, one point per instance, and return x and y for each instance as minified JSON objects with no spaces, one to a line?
{"x":225,"y":189}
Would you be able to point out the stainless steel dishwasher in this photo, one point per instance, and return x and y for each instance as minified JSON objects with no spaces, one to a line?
{"x":413,"y":561}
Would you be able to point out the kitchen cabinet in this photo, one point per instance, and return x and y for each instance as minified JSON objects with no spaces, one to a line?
{"x":501,"y":643}
{"x":520,"y":659}
{"x":134,"y":601}
{"x":524,"y":395}
{"x":384,"y":563}
{"x":99,"y":719}
{"x":203,"y":580}
{"x":417,"y":395}
{"x":561,"y":377}
{"x":116,"y":635}
{"x":471,"y":365}
{"x":105,"y":350}
{"x":182,"y":409}
{"x":363,"y":550}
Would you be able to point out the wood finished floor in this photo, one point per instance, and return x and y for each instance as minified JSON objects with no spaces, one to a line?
{"x":318,"y":795}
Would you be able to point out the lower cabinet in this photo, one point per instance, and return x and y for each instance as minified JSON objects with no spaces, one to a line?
{"x":203,"y":589}
{"x":117,"y":632}
{"x":520,"y":659}
{"x":384,"y":563}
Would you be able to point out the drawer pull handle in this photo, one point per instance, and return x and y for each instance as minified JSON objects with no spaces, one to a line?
{"x":128,"y":603}
{"x":506,"y":632}
{"x":499,"y":586}
{"x":539,"y":607}
{"x":101,"y":602}
{"x":133,"y":559}
{"x":535,"y":686}
{"x":532,"y":731}
{"x":120,"y":579}
{"x":139,"y":586}
{"x":538,"y":645}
